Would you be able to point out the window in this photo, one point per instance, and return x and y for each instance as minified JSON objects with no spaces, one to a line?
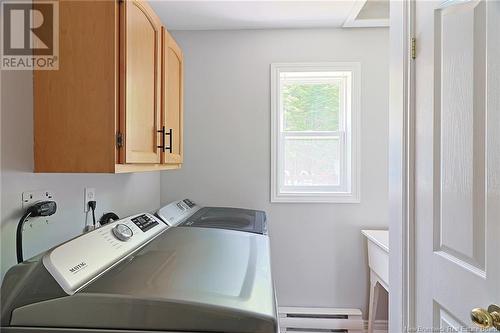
{"x":315,"y":132}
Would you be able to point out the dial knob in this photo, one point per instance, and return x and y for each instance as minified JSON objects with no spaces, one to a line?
{"x":122,"y":232}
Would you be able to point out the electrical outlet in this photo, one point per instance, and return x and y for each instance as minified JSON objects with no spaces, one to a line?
{"x":35,"y":223}
{"x":30,"y":197}
{"x":89,"y":195}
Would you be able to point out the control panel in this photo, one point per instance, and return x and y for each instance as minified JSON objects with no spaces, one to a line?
{"x":144,"y":222}
{"x":78,"y":261}
{"x":189,"y":203}
{"x":176,"y":212}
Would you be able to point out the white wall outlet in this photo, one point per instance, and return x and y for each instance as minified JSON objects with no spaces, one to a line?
{"x":30,"y":197}
{"x":89,"y":195}
{"x":37,"y":222}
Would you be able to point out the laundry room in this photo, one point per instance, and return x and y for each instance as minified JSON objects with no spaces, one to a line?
{"x":221,"y":166}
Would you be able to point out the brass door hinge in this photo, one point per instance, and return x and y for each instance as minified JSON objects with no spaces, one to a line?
{"x":119,"y":140}
{"x":413,"y":48}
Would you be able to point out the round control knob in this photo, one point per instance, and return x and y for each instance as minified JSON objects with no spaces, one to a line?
{"x":122,"y":232}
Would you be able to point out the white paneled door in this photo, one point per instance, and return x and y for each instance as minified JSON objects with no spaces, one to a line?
{"x":457,"y":164}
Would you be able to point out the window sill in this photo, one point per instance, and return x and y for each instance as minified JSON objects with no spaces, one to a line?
{"x":314,"y":198}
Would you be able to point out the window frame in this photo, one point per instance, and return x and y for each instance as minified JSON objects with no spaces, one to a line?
{"x":348,"y":191}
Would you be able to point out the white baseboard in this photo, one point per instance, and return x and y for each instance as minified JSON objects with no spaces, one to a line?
{"x":379,"y":326}
{"x":314,"y":319}
{"x":324,"y":318}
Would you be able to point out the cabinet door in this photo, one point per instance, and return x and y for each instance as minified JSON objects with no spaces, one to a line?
{"x":140,"y":82}
{"x":172,"y":92}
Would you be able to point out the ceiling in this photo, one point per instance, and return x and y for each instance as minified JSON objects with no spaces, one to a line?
{"x":213,"y":15}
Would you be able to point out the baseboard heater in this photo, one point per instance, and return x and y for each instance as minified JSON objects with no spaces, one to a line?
{"x":320,"y":320}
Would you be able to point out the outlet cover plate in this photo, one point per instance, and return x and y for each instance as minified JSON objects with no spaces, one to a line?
{"x":88,"y":195}
{"x":30,"y":197}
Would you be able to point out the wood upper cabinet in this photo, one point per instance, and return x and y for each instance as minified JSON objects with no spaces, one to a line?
{"x":74,"y":107}
{"x":119,"y":83}
{"x":172,"y":97}
{"x":140,"y":36}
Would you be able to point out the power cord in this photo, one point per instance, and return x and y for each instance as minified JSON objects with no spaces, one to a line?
{"x":92,"y":204}
{"x":19,"y":236}
{"x":107,"y":218}
{"x":43,"y":208}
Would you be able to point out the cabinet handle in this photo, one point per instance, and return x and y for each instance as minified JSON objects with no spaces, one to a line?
{"x":162,"y":131}
{"x":170,"y":135}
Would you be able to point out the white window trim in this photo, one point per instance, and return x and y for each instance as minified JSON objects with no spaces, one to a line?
{"x":354,"y":195}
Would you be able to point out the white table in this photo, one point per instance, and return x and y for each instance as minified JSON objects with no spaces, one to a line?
{"x":378,"y":261}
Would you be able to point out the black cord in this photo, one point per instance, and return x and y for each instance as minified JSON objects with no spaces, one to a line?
{"x":19,"y":236}
{"x":108,"y":217}
{"x":92,"y":205}
{"x":42,"y":208}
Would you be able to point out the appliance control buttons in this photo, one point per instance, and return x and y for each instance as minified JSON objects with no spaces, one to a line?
{"x":122,"y":232}
{"x":144,"y":222}
{"x":189,"y":203}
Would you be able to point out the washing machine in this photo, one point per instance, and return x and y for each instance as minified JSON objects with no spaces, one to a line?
{"x":140,"y":274}
{"x":229,"y":218}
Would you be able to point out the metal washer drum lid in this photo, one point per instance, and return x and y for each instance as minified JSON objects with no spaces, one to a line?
{"x":229,"y":218}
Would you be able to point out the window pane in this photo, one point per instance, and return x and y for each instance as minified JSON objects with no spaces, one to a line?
{"x":311,"y":106}
{"x":311,"y":161}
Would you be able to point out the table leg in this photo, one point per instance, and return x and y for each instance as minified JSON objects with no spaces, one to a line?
{"x":374,"y":295}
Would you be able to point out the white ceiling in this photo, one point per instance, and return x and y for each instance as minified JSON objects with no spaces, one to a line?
{"x":211,"y":15}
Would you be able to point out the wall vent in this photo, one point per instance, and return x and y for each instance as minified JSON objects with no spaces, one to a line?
{"x":320,"y":320}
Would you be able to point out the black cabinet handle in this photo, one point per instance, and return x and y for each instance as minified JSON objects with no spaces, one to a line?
{"x":162,"y":131}
{"x":170,"y":135}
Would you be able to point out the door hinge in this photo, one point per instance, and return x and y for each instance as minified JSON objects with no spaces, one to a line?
{"x":119,"y":140}
{"x":413,"y":48}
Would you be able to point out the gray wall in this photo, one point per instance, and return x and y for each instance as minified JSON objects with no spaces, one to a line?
{"x":317,"y":250}
{"x":123,"y":194}
{"x":318,"y":253}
